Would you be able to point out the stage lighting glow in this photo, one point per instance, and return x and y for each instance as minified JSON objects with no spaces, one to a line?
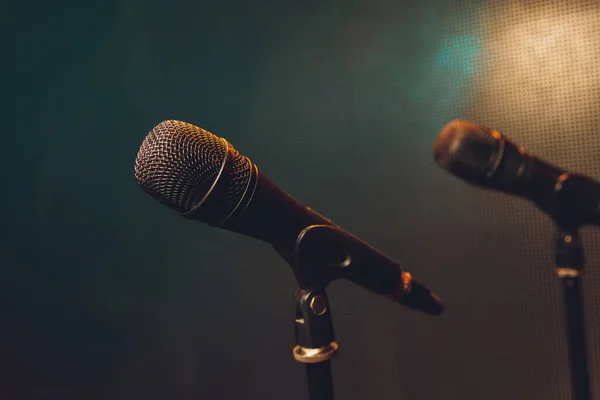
{"x":545,"y":60}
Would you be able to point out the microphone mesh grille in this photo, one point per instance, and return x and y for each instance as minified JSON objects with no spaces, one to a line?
{"x":178,"y":163}
{"x":241,"y":170}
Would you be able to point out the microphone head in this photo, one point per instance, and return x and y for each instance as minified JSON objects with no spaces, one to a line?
{"x":198,"y":174}
{"x":469,"y":151}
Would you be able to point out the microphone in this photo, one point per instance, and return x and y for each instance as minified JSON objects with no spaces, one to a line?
{"x":204,"y":178}
{"x":484,"y":157}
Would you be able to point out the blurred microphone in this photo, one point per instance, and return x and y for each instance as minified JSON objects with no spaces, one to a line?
{"x":484,"y":157}
{"x":204,"y":178}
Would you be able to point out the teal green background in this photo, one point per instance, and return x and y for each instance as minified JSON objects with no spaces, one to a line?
{"x":107,"y":294}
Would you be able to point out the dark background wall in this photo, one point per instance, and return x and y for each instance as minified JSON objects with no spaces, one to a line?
{"x":106,"y":294}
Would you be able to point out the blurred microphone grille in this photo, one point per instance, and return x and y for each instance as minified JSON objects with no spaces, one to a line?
{"x":178,"y":164}
{"x":465,"y":147}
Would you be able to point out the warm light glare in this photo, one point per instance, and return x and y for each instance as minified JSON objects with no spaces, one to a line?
{"x":543,"y":61}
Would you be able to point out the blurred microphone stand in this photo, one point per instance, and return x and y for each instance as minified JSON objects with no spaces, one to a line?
{"x":570,"y":262}
{"x":569,"y":268}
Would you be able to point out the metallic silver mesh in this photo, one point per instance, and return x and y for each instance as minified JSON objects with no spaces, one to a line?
{"x":178,"y":163}
{"x":240,"y":176}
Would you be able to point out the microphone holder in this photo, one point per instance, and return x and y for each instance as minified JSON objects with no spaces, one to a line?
{"x":322,"y":254}
{"x":316,"y":261}
{"x":569,"y":268}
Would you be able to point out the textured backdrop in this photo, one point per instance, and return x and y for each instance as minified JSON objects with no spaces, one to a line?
{"x":106,"y":294}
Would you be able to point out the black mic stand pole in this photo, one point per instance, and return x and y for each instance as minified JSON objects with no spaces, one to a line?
{"x":315,"y":263}
{"x":569,"y":268}
{"x":315,"y":341}
{"x":322,"y":254}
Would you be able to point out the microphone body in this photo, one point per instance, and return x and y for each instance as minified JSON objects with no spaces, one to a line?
{"x":204,"y":178}
{"x":484,"y":157}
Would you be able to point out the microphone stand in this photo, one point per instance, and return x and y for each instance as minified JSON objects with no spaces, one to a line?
{"x":569,"y":268}
{"x":315,"y":341}
{"x":317,"y":260}
{"x":322,"y":254}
